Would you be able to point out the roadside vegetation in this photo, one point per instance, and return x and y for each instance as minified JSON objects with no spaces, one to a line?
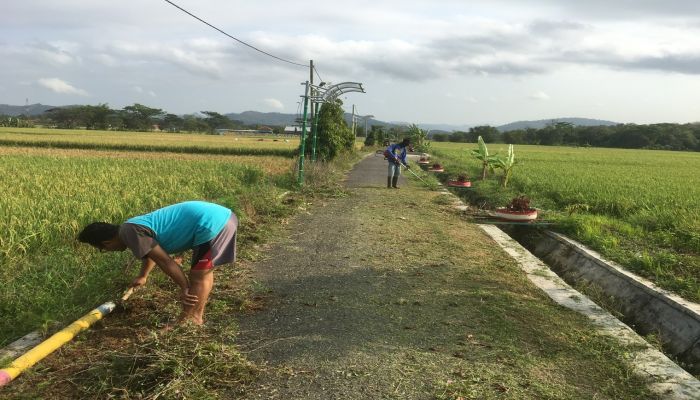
{"x":637,"y":207}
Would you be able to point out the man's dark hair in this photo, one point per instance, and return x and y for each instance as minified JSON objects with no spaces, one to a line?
{"x":98,"y":232}
{"x":406,"y":142}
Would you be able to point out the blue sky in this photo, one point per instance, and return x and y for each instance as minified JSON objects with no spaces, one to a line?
{"x":453,"y":62}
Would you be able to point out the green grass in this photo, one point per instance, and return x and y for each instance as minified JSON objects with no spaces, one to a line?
{"x":48,"y":276}
{"x":638,"y":207}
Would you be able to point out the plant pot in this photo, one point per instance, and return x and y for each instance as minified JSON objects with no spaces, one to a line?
{"x":522,"y":216}
{"x":423,"y":162}
{"x":436,"y":169}
{"x":459,"y":184}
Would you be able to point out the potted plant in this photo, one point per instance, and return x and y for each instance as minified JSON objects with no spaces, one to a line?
{"x":437,"y":167}
{"x":461,"y":181}
{"x":423,"y":160}
{"x":518,"y":210}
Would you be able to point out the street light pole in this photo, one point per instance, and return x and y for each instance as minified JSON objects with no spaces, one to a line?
{"x":367,"y":117}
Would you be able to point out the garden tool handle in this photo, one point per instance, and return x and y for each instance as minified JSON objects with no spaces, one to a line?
{"x":127,"y":294}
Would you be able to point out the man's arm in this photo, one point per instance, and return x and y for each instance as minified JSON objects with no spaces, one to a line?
{"x":146,"y":267}
{"x":170,"y":267}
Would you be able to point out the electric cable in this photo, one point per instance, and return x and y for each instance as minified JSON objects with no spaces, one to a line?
{"x":319,"y":75}
{"x":238,"y":40}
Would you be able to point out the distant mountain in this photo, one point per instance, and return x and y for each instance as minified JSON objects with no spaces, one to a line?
{"x":31,"y":109}
{"x":544,"y":122}
{"x":260,"y":118}
{"x":279,"y":119}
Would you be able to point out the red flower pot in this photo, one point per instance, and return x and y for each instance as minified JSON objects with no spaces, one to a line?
{"x":510,"y":215}
{"x":459,"y":184}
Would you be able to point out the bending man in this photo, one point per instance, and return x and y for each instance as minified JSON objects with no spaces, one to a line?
{"x":206,"y":228}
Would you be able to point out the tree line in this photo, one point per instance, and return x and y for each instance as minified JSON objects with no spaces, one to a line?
{"x":664,"y":136}
{"x":136,"y":117}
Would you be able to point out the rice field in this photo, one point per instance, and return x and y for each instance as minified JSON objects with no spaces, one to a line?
{"x":50,"y":194}
{"x":150,"y":141}
{"x":638,"y":207}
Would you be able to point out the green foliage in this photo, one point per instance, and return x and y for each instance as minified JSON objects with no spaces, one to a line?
{"x":333,"y":134}
{"x":631,"y":136}
{"x":369,"y":140}
{"x":419,"y":138}
{"x":506,"y":164}
{"x":216,"y":121}
{"x":489,"y":134}
{"x":482,"y":154}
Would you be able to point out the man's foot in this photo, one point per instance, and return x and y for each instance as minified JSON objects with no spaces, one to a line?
{"x":182,"y":321}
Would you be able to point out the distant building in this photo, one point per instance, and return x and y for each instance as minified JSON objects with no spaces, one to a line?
{"x":265,"y":130}
{"x":294,"y":130}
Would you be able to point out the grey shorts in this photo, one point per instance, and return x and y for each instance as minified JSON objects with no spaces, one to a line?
{"x":218,"y":251}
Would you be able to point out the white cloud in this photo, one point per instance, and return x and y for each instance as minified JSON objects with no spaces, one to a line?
{"x":140,"y":90}
{"x":274,"y":104}
{"x":61,"y":86}
{"x":540,"y":96}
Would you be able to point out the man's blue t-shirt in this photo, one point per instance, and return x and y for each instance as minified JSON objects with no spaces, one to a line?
{"x":182,"y":226}
{"x":398,"y":152}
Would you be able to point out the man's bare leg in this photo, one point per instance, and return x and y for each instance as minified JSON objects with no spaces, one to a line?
{"x":201,"y":283}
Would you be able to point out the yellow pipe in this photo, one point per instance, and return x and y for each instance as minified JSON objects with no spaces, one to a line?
{"x":48,"y":346}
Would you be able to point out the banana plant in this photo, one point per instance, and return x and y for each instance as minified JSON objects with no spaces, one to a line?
{"x":506,"y":164}
{"x":487,"y":161}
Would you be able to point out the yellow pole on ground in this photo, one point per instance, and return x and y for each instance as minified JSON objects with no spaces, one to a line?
{"x":48,"y":346}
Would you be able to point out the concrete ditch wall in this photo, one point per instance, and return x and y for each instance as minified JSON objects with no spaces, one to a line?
{"x":651,"y":309}
{"x":666,"y":378}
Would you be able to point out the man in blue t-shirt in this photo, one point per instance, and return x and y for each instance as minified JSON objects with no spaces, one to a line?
{"x":206,"y":228}
{"x":396,"y":155}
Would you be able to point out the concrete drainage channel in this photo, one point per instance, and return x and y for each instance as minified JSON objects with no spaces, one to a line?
{"x":653,"y":310}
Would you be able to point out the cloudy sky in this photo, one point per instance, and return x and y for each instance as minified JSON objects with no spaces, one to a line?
{"x":449,"y":61}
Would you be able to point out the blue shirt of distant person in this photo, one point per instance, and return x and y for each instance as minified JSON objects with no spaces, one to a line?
{"x":396,"y":155}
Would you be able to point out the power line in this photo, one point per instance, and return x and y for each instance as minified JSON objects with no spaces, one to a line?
{"x":238,"y":40}
{"x":319,"y":75}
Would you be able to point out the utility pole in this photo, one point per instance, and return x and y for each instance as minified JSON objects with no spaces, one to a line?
{"x":302,"y":147}
{"x":353,"y":120}
{"x":311,"y":94}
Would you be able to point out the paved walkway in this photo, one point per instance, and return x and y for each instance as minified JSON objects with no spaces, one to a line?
{"x":389,"y":294}
{"x":371,"y":173}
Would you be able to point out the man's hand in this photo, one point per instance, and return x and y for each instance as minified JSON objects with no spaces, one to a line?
{"x":140,"y":281}
{"x":407,"y":166}
{"x":188,"y":299}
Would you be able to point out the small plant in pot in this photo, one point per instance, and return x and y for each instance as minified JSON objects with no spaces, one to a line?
{"x":437,"y":167}
{"x":461,"y":181}
{"x":423,"y":160}
{"x":518,"y":210}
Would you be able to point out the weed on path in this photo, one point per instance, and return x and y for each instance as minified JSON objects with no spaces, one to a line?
{"x":389,"y":294}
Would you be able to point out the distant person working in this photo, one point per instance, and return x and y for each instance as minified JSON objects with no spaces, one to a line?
{"x":206,"y":228}
{"x":396,"y":156}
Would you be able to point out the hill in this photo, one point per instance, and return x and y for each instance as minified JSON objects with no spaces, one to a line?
{"x":31,"y":109}
{"x":539,"y":124}
{"x":280,"y":119}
